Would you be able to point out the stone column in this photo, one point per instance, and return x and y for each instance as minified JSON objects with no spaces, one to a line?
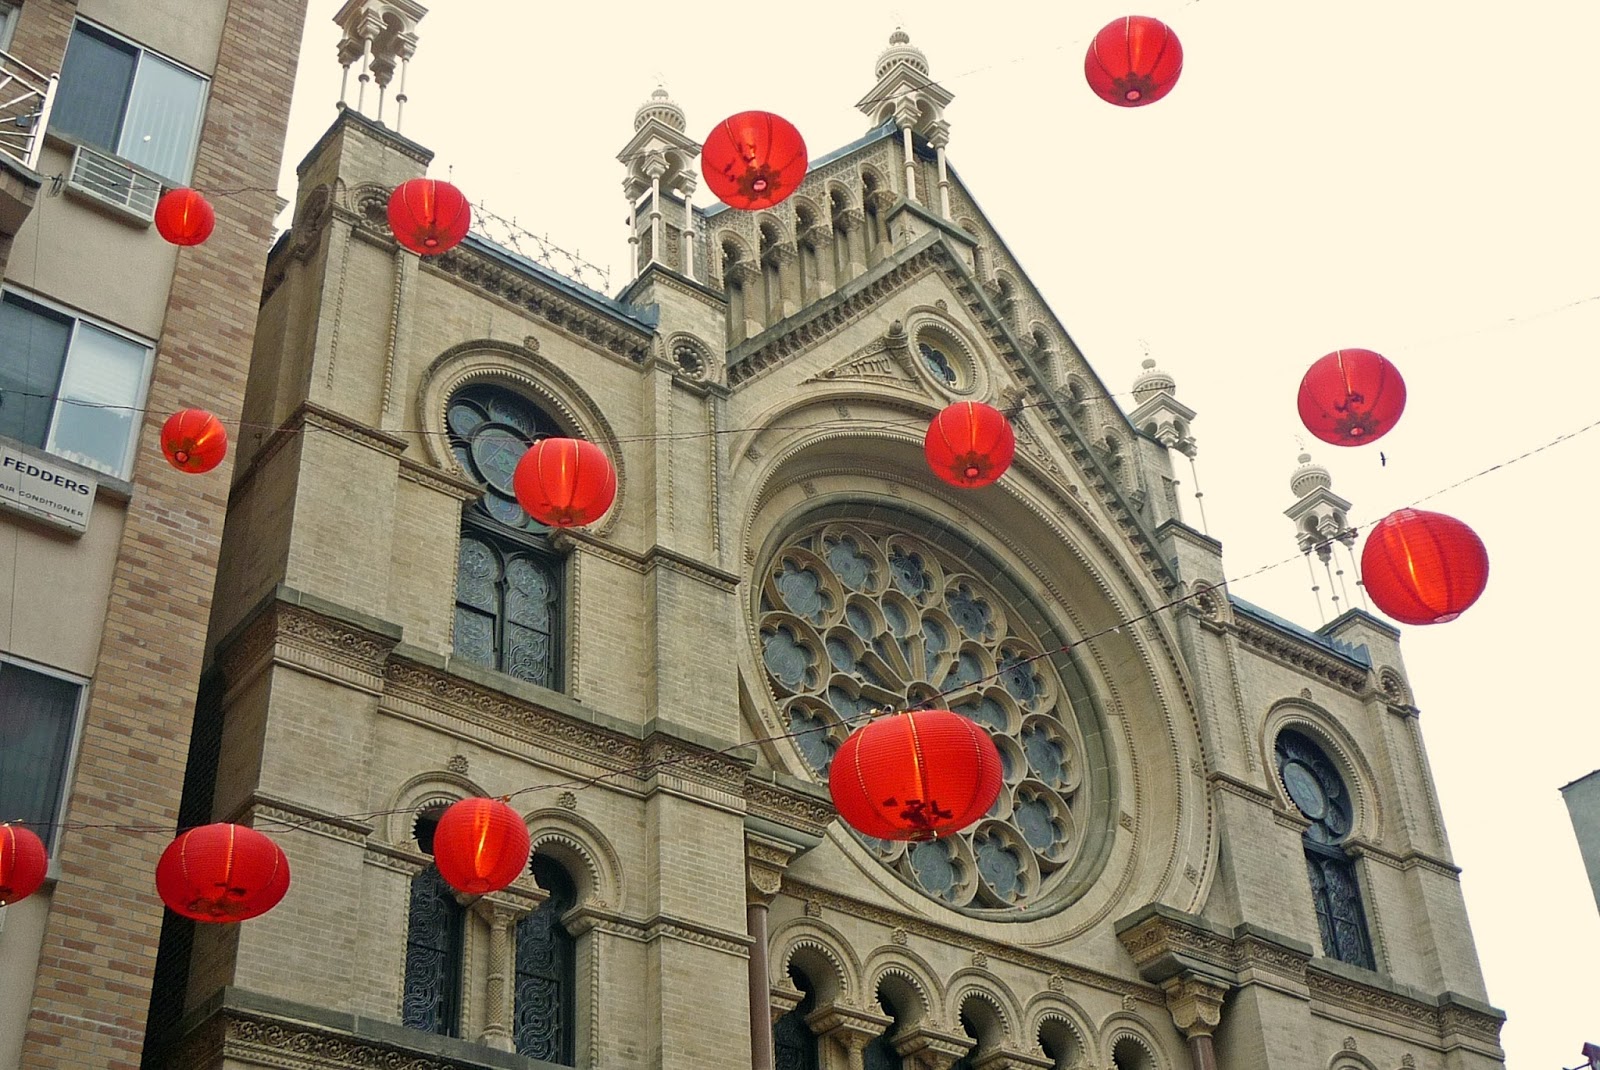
{"x":499,"y":984}
{"x":764,"y":862}
{"x":853,"y":222}
{"x":1195,"y":1003}
{"x":850,"y":1028}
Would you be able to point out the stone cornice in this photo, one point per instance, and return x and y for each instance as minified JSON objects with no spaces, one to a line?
{"x":996,"y":950}
{"x":1300,"y":655}
{"x":658,"y":273}
{"x":1167,"y":943}
{"x":444,"y":482}
{"x":532,"y":295}
{"x":290,"y":629}
{"x":261,"y":807}
{"x":653,"y":558}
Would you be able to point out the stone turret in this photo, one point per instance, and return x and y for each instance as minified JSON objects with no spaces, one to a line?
{"x":660,"y":158}
{"x":382,"y":36}
{"x":907,"y":93}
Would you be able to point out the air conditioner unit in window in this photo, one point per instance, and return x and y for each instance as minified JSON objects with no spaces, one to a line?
{"x":113,"y":183}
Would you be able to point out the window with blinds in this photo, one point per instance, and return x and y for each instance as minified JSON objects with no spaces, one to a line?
{"x":70,"y":386}
{"x":116,"y":96}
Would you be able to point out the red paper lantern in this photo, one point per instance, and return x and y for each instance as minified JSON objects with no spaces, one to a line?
{"x":194,"y":440}
{"x":184,"y":217}
{"x":1351,"y":397}
{"x":970,"y":444}
{"x":1133,"y":61}
{"x":222,"y":873}
{"x":1423,"y":568}
{"x":428,"y":216}
{"x":480,"y":846}
{"x":23,"y":863}
{"x":753,"y":160}
{"x":915,"y":776}
{"x":565,"y":482}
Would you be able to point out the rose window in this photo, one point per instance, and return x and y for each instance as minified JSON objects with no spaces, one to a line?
{"x":854,"y":618}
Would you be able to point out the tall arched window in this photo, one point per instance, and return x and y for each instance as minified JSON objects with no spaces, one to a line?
{"x":544,"y":1014}
{"x":794,"y":1045}
{"x":434,"y":926}
{"x":1316,"y":788}
{"x":508,"y":580}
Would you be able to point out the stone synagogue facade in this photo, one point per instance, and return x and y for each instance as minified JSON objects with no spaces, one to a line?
{"x":1217,"y":844}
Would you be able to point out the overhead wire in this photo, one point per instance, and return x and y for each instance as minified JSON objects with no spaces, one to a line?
{"x":646,"y":769}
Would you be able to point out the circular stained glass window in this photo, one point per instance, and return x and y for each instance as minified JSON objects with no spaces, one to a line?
{"x":490,"y":429}
{"x":855,"y":617}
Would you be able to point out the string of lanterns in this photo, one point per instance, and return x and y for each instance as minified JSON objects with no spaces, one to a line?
{"x":913,"y":775}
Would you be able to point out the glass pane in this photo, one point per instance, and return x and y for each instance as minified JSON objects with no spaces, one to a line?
{"x":95,"y":79}
{"x":163,"y":117}
{"x":36,"y":717}
{"x":102,"y":384}
{"x":33,"y":348}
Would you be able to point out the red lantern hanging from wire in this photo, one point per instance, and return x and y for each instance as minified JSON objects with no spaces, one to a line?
{"x":565,"y":482}
{"x":184,"y":217}
{"x":222,"y":873}
{"x":753,"y":160}
{"x":429,"y":216}
{"x":194,"y":440}
{"x":480,"y":846}
{"x":1134,"y":61}
{"x":1351,"y":397}
{"x":915,"y":776}
{"x":1423,"y":568}
{"x":970,"y":444}
{"x":23,"y":863}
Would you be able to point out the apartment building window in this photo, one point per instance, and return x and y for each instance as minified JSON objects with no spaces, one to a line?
{"x":133,"y":103}
{"x":38,"y":725}
{"x":8,"y":25}
{"x":69,"y":386}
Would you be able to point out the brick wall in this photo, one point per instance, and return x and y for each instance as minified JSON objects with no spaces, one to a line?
{"x":93,"y":987}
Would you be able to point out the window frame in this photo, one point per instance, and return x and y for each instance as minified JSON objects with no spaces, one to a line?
{"x":141,"y":50}
{"x":8,"y":24}
{"x":69,"y":771}
{"x":136,"y":404}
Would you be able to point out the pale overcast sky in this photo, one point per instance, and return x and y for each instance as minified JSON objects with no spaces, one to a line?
{"x":1412,"y":177}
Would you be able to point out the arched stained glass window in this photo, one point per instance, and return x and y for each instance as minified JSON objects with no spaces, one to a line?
{"x":508,"y":580}
{"x":794,"y":1045}
{"x":1318,"y":791}
{"x":431,"y":1000}
{"x":544,"y":1015}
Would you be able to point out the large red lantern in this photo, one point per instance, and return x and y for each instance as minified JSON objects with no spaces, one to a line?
{"x":915,"y":776}
{"x":753,"y":160}
{"x":970,"y":444}
{"x":222,"y":873}
{"x":23,"y":863}
{"x":184,"y":217}
{"x":480,"y":846}
{"x":428,"y":216}
{"x":194,"y":440}
{"x":1133,"y":61}
{"x":1351,"y":397}
{"x":1423,"y":568}
{"x":565,"y":482}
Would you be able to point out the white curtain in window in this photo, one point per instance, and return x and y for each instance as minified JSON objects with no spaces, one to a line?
{"x":163,"y":118}
{"x":102,"y":384}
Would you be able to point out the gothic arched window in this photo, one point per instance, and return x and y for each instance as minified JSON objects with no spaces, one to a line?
{"x":1315,"y":787}
{"x":544,"y":1015}
{"x":434,"y":927}
{"x":508,"y":580}
{"x":794,"y":1045}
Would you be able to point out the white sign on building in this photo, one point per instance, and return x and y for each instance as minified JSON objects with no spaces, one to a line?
{"x":45,"y":489}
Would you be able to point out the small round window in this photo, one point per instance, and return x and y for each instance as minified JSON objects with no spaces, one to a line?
{"x":946,"y":361}
{"x":490,"y":429}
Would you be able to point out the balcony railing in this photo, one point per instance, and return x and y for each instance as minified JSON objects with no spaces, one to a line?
{"x":25,"y":99}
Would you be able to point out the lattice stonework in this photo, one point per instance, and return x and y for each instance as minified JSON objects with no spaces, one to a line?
{"x":855,"y":617}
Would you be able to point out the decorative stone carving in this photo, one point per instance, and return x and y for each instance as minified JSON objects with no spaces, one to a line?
{"x":1195,"y":1002}
{"x":457,"y":763}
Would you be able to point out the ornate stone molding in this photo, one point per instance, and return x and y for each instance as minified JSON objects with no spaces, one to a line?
{"x":295,"y":635}
{"x":1195,"y":1002}
{"x":443,"y":482}
{"x":607,"y":331}
{"x":1300,"y":655}
{"x":258,"y":808}
{"x":791,"y":807}
{"x":765,"y":859}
